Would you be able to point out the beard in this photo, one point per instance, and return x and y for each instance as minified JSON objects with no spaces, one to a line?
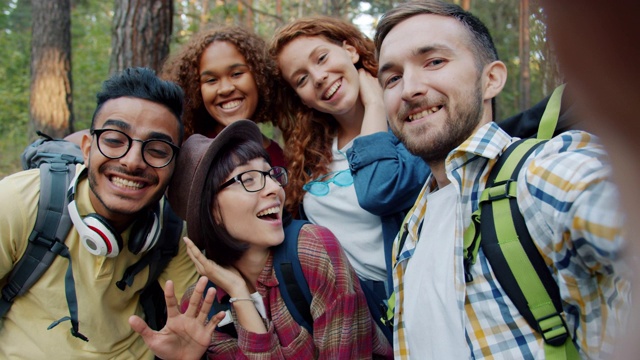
{"x":433,"y":144}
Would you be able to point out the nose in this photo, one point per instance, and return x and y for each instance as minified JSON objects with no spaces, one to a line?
{"x":413,"y":85}
{"x":226,"y":86}
{"x":271,"y":186}
{"x":133,"y":159}
{"x":319,"y":77}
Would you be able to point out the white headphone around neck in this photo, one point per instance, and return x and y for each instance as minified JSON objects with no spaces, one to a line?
{"x":101,"y":238}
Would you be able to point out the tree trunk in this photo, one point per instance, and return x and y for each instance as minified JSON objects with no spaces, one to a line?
{"x":466,"y":5}
{"x":50,"y":102}
{"x":525,"y":75}
{"x":141,"y":32}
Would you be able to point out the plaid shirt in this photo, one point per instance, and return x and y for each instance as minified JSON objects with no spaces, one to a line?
{"x":342,"y":325}
{"x":571,"y":210}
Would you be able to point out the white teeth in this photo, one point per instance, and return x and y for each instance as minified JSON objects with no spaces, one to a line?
{"x":126,"y":183}
{"x":273,"y":210}
{"x":423,"y":113}
{"x":231,"y":104}
{"x":332,"y":90}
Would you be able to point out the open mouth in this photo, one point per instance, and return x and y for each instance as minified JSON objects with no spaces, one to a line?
{"x":272,"y":213}
{"x":424,"y":113}
{"x":126,"y":184}
{"x":332,"y":90}
{"x":230,"y":104}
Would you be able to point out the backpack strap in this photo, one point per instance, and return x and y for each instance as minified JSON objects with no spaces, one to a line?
{"x":46,"y":241}
{"x":515,"y":259}
{"x":291,"y":281}
{"x":157,"y":260}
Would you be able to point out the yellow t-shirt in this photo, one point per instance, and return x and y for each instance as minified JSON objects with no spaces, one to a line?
{"x":103,"y":309}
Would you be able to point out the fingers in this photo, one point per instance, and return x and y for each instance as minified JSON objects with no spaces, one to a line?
{"x":140,"y":326}
{"x":215,"y":319}
{"x":206,"y":306}
{"x":195,"y":255}
{"x":170,"y":298}
{"x":196,"y":297}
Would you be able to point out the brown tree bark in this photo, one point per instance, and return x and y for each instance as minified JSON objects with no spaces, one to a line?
{"x":50,"y":102}
{"x":525,"y":74}
{"x":141,"y":32}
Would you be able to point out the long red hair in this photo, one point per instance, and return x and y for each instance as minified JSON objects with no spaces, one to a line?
{"x":308,"y":133}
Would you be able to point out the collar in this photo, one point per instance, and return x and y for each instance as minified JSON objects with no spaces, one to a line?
{"x":489,"y":142}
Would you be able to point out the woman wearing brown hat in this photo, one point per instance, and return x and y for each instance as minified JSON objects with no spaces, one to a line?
{"x":232,"y":199}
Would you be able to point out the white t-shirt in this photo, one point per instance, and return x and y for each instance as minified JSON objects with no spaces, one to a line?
{"x":434,"y":324}
{"x":358,"y":231}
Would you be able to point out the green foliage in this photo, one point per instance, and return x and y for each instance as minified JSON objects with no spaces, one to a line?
{"x":14,"y":88}
{"x":91,"y":48}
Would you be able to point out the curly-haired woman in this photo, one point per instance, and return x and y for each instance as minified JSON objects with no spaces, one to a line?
{"x":354,"y":176}
{"x":226,"y":75}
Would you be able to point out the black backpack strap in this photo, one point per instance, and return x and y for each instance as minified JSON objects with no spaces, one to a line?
{"x":514,"y":257}
{"x":157,"y":259}
{"x":292,"y":283}
{"x":52,"y":225}
{"x":46,"y":241}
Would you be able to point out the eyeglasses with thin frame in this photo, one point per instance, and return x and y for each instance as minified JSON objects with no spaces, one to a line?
{"x":255,"y":180}
{"x":115,"y":144}
{"x":320,"y":187}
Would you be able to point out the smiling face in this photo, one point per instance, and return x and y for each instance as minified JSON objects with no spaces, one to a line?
{"x":252,"y":217}
{"x":122,"y":187}
{"x":228,"y":88}
{"x":322,"y":73}
{"x":434,"y":94}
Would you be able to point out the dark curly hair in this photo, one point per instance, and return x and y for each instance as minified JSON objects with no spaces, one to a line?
{"x":182,"y":68}
{"x":309,"y":133}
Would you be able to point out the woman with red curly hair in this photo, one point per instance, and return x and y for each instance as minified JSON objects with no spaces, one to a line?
{"x":354,"y":175}
{"x":226,"y":75}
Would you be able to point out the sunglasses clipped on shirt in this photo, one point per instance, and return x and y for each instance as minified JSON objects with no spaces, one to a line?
{"x":320,"y":187}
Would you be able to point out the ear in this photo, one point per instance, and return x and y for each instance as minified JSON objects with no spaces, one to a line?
{"x":353,"y":52}
{"x":85,"y":146}
{"x":495,"y":76}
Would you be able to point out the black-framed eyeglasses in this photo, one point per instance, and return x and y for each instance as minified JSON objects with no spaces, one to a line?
{"x":255,"y":180}
{"x":115,"y":144}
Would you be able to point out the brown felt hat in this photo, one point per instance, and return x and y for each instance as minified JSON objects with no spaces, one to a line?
{"x":192,"y":166}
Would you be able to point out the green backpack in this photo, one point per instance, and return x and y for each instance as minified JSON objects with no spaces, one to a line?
{"x":498,"y":226}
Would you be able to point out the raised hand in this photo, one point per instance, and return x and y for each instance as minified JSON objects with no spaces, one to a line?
{"x":227,"y":278}
{"x":375,"y":119}
{"x":185,"y":336}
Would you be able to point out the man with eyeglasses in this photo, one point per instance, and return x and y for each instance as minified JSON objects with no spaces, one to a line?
{"x":115,"y":204}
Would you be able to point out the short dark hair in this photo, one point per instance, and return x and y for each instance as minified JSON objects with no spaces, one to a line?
{"x":142,"y":83}
{"x":217,"y":243}
{"x":480,"y":39}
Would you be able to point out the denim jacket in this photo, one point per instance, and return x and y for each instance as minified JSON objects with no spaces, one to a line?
{"x":387,"y":180}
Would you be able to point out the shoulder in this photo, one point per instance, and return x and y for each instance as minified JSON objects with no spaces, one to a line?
{"x":318,"y":248}
{"x":20,"y":189}
{"x":571,"y":157}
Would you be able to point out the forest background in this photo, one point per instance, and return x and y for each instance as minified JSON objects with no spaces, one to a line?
{"x":95,"y":38}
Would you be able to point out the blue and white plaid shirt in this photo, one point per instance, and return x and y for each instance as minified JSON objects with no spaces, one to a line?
{"x":572,"y":212}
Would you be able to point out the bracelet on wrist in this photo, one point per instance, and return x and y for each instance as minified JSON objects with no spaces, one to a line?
{"x":232,"y":300}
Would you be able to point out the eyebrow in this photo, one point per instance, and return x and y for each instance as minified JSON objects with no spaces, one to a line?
{"x":124,"y":126}
{"x":311,"y":54}
{"x":230,"y":67}
{"x":417,"y":52}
